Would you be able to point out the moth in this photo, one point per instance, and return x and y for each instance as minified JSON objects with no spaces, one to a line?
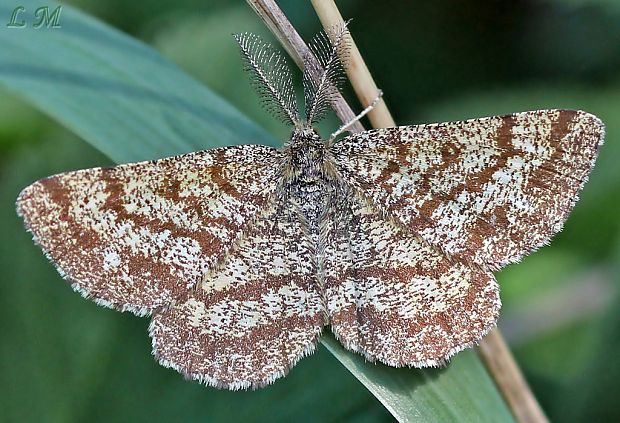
{"x":242,"y":255}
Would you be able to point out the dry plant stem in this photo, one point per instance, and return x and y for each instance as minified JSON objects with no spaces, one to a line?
{"x":280,"y":26}
{"x":500,"y":363}
{"x":357,"y":71}
{"x":493,"y":349}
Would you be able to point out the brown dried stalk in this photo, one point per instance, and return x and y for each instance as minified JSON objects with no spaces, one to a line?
{"x":493,"y":349}
{"x":357,"y":71}
{"x":501,"y":365}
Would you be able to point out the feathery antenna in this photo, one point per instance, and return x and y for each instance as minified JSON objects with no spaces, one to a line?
{"x":331,"y":49}
{"x":270,"y":76}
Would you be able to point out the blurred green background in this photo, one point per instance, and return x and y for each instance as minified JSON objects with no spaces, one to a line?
{"x":63,"y":359}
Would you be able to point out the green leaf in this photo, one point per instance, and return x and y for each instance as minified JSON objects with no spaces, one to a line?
{"x":130,"y":103}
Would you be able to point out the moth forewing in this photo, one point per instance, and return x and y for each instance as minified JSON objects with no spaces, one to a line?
{"x":135,"y":237}
{"x":486,"y":190}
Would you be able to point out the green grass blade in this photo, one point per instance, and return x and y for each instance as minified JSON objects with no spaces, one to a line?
{"x":126,"y":100}
{"x":114,"y":91}
{"x":460,"y":392}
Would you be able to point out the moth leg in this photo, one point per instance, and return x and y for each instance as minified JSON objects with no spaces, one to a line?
{"x":357,"y":118}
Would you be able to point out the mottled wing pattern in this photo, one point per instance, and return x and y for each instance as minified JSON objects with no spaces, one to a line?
{"x":393,"y":297}
{"x":488,"y":190}
{"x":252,"y":318}
{"x":136,"y":236}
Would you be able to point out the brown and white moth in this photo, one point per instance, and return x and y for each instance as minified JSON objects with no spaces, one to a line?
{"x":241,"y":255}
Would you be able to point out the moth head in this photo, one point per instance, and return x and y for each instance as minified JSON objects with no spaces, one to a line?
{"x":306,"y":135}
{"x":305,"y":149}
